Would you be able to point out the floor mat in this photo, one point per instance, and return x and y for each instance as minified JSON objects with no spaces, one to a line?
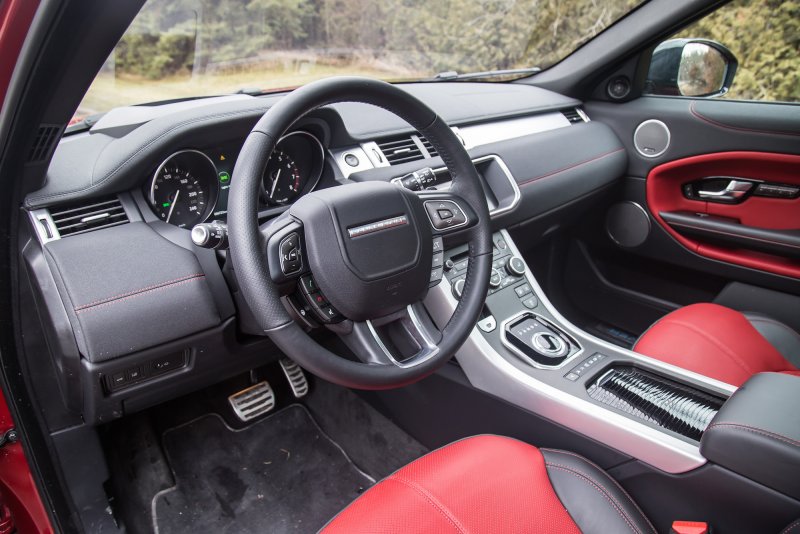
{"x":282,"y":474}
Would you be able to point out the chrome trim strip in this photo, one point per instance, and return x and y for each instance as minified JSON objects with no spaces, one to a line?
{"x":39,"y":218}
{"x":428,"y":351}
{"x":489,"y":371}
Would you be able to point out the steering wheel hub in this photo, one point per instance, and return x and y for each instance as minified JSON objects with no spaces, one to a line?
{"x":369,"y":247}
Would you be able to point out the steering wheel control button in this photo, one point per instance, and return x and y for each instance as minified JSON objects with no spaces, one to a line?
{"x":515,"y":266}
{"x":445,"y":214}
{"x":291,"y":261}
{"x":458,"y":288}
{"x":487,"y":324}
{"x":436,"y":275}
{"x":438,"y":260}
{"x":438,"y":245}
{"x":309,"y":285}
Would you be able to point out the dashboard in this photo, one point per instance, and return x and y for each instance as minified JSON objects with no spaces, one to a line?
{"x":191,"y":185}
{"x":115,"y":214}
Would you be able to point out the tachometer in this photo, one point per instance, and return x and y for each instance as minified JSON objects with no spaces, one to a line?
{"x":184,"y":189}
{"x":282,"y":179}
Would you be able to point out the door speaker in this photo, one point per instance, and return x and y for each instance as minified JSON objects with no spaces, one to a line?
{"x":651,"y":138}
{"x":627,"y":224}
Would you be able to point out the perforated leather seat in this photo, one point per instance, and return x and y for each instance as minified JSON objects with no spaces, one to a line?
{"x":722,"y":343}
{"x":492,"y":484}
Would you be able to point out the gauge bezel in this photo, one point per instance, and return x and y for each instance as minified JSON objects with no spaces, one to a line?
{"x":214,"y":187}
{"x":317,"y":168}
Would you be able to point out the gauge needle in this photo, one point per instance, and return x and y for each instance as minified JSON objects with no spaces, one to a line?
{"x":275,"y":183}
{"x":174,"y":201}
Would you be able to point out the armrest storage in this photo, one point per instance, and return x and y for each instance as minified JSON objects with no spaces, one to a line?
{"x":756,"y":433}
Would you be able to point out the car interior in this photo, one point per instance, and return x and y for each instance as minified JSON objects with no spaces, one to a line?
{"x":567,"y":300}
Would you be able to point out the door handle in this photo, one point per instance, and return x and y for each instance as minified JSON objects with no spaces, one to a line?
{"x":733,"y":191}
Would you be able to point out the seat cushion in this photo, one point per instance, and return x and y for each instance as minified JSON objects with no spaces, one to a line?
{"x":493,"y":484}
{"x":714,"y":341}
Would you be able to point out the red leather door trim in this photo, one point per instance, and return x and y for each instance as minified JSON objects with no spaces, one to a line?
{"x":664,"y":193}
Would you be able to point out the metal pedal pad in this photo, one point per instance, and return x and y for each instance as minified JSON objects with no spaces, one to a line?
{"x":253,"y":401}
{"x":296,"y":377}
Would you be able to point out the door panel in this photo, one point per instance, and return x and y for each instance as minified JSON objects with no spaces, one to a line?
{"x":755,"y":248}
{"x":757,"y":141}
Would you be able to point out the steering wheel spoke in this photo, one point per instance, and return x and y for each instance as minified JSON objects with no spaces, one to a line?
{"x":447,"y":212}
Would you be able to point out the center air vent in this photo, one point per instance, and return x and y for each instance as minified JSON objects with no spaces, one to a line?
{"x":89,"y":216}
{"x":399,"y":150}
{"x":574,"y":115}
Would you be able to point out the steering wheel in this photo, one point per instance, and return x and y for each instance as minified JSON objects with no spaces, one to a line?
{"x":359,"y":255}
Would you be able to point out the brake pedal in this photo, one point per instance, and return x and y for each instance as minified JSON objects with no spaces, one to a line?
{"x":253,"y":401}
{"x":296,"y":377}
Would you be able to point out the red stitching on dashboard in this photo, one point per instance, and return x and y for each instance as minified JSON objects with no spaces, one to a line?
{"x":718,"y":124}
{"x":136,"y":293}
{"x":574,"y":165}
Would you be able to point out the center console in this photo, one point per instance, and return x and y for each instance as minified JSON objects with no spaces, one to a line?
{"x":525,"y":352}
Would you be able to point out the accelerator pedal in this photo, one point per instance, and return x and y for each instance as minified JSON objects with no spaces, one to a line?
{"x":296,"y":377}
{"x":253,"y":401}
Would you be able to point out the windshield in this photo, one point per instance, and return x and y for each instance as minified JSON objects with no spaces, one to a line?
{"x":188,"y":48}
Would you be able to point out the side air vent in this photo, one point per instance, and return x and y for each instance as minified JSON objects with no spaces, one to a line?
{"x":399,"y":150}
{"x":432,"y":153}
{"x":44,"y":143}
{"x":574,"y":115}
{"x":79,"y":219}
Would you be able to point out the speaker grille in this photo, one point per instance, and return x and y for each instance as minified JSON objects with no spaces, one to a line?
{"x":651,"y":138}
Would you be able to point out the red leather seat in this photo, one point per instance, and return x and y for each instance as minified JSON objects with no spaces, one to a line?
{"x":492,"y":484}
{"x":722,"y":343}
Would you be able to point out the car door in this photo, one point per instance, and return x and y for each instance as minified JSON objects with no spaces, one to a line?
{"x":710,"y":209}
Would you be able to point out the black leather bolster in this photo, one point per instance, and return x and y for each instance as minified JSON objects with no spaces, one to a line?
{"x":757,"y":432}
{"x":126,"y":288}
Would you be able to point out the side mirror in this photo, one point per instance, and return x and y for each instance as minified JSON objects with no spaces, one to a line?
{"x":691,"y":67}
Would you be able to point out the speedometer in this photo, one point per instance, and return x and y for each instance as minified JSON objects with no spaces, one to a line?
{"x":184,"y":189}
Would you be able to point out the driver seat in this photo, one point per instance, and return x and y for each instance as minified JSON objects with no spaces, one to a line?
{"x":494,"y":484}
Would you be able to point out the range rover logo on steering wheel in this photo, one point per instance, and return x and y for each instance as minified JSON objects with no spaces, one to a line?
{"x":377,"y":226}
{"x":549,"y":344}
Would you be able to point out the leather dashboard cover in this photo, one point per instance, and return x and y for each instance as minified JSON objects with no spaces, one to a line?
{"x":126,"y":288}
{"x":757,"y":432}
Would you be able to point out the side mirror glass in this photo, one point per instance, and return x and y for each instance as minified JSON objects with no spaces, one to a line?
{"x":691,"y":67}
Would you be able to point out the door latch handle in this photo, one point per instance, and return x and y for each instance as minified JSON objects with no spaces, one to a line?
{"x":734,"y":190}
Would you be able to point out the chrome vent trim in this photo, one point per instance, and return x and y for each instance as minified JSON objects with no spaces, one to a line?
{"x":80,"y":219}
{"x":401,"y":149}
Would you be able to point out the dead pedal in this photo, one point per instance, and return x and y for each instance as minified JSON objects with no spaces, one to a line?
{"x":296,"y":377}
{"x":253,"y":401}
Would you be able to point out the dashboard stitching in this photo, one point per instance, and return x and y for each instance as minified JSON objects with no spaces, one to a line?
{"x":94,"y":185}
{"x":564,"y":169}
{"x":138,"y":292}
{"x":720,"y":124}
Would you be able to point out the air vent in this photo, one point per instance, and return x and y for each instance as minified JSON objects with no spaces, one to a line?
{"x":43,"y":143}
{"x":399,"y":150}
{"x":102,"y":213}
{"x":432,"y":153}
{"x":574,"y":115}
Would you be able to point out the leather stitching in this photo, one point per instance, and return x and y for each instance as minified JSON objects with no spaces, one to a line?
{"x":433,"y":501}
{"x":570,"y":167}
{"x":791,"y":527}
{"x":619,"y":487}
{"x":139,"y":294}
{"x":718,"y":124}
{"x":746,"y":428}
{"x":603,"y":491}
{"x":140,"y":290}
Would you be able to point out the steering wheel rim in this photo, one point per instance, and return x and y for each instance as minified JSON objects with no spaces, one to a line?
{"x":248,"y":241}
